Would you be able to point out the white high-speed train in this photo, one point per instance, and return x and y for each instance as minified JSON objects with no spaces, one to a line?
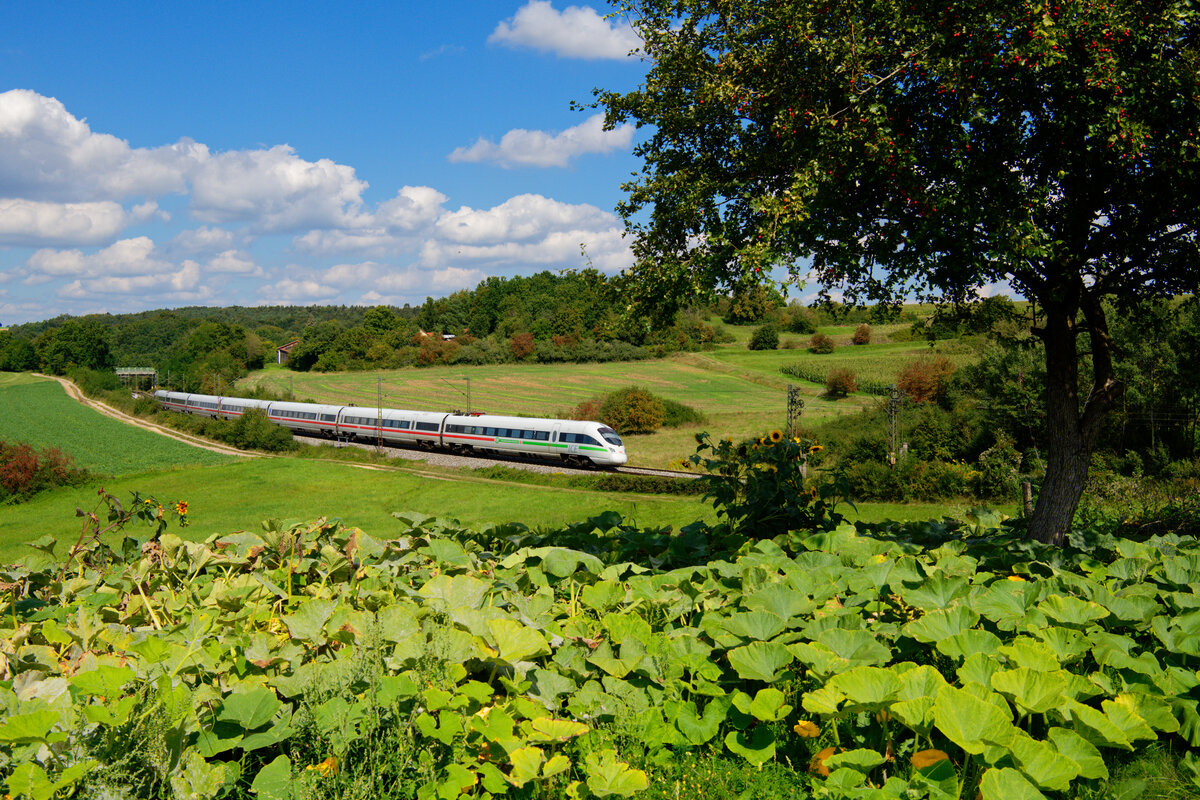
{"x":566,"y":440}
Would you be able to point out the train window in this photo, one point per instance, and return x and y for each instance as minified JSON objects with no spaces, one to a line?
{"x":454,"y":429}
{"x":328,"y":418}
{"x":404,"y":424}
{"x":541,"y":436}
{"x":610,"y":436}
{"x":427,"y":426}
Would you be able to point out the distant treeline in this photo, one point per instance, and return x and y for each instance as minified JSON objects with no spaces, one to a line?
{"x":567,"y":316}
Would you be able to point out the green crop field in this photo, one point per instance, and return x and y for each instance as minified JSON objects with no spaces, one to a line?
{"x":39,"y":413}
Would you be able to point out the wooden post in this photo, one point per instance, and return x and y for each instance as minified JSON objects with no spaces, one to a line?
{"x":1027,"y":499}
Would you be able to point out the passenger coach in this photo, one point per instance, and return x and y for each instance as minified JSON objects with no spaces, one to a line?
{"x":570,"y":441}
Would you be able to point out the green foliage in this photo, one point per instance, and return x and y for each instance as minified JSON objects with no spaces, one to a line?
{"x":759,"y":486}
{"x":953,"y":149}
{"x":632,"y":410}
{"x":765,"y":338}
{"x":252,"y":430}
{"x":840,"y":382}
{"x":820,"y":343}
{"x":750,"y":303}
{"x":677,"y":415}
{"x":94,"y":381}
{"x":798,"y":319}
{"x":76,"y":343}
{"x":320,"y":659}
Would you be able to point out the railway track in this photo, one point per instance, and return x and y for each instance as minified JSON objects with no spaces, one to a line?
{"x":659,"y":473}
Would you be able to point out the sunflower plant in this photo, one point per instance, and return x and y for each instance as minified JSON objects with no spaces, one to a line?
{"x":759,"y":486}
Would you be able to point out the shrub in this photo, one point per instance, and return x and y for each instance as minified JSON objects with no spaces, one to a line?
{"x":1000,"y":469}
{"x":765,"y":338}
{"x":797,"y":319}
{"x":632,"y":410}
{"x":677,"y":414}
{"x":521,"y":345}
{"x":254,"y":431}
{"x":24,"y":472}
{"x":820,"y":343}
{"x":926,"y":379}
{"x":862,"y":334}
{"x":840,"y":382}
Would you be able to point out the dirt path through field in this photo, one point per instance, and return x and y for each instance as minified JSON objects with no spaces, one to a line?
{"x":195,"y":441}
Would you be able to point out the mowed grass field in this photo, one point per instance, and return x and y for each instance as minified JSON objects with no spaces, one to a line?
{"x":38,"y":412}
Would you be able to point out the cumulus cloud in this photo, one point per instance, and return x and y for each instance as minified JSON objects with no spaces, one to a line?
{"x":394,"y":227}
{"x":291,"y":290}
{"x":46,"y":153}
{"x":378,"y":280}
{"x":574,"y":32}
{"x":231,"y":262}
{"x":523,"y":218}
{"x":31,"y":223}
{"x":182,"y":282}
{"x":123,"y":258}
{"x":204,"y":239}
{"x":522,"y":148}
{"x":48,"y":157}
{"x":275,"y":190}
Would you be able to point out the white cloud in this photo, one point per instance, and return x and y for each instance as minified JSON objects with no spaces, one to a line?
{"x":123,"y":258}
{"x":290,"y":290}
{"x":411,"y":208}
{"x":444,"y":50}
{"x":48,"y":154}
{"x":452,"y":279}
{"x":575,"y":32}
{"x":231,"y":262}
{"x":524,"y":148}
{"x":31,"y":223}
{"x":275,"y":190}
{"x":204,"y":239}
{"x":522,"y":218}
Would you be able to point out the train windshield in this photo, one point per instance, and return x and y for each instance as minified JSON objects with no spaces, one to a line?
{"x":610,"y":436}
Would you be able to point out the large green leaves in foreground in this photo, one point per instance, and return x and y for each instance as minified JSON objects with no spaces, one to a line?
{"x":279,"y":664}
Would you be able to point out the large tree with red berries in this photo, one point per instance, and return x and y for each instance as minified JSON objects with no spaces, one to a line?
{"x":904,"y":148}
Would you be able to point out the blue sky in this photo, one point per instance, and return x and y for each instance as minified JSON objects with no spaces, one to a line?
{"x":161,"y":154}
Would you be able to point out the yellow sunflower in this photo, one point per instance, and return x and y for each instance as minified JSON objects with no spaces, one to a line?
{"x":776,"y":436}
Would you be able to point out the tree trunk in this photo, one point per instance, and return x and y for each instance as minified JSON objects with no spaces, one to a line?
{"x":1072,"y":430}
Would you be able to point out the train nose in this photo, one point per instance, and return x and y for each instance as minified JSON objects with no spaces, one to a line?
{"x":619,"y":457}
